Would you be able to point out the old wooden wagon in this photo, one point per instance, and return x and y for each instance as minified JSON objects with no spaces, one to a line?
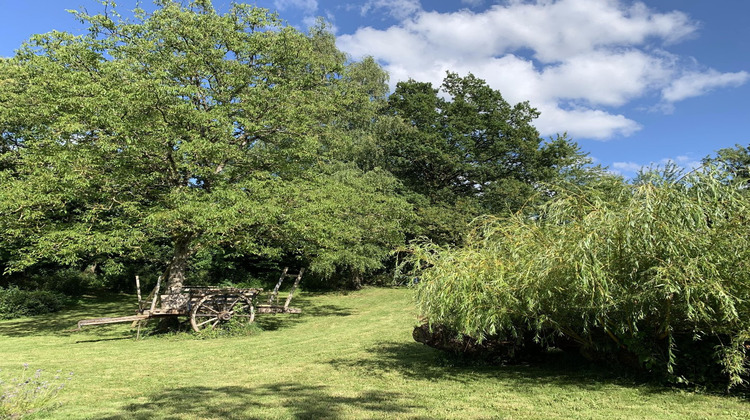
{"x":207,"y":307}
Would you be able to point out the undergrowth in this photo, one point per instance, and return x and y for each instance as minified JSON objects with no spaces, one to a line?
{"x":31,"y":392}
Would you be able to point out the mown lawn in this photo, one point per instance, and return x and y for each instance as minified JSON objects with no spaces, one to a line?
{"x":347,"y":356}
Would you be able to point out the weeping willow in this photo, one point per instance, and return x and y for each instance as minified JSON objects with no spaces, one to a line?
{"x":623,"y":267}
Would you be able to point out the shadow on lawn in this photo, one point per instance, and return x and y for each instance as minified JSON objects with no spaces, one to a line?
{"x":566,"y":370}
{"x":285,"y":400}
{"x":310,"y":309}
{"x":60,"y":323}
{"x":417,"y":361}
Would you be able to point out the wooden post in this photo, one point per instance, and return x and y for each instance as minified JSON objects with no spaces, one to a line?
{"x":278,"y":285}
{"x":138,"y":290}
{"x":294,"y":287}
{"x":156,"y":294}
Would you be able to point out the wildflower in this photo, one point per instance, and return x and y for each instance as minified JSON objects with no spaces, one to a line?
{"x":29,"y":393}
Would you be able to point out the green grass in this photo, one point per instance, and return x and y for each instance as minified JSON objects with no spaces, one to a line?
{"x":347,"y":356}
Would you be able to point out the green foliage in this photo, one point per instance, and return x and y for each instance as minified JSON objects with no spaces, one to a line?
{"x":182,"y":130}
{"x":653,"y":270}
{"x":15,"y":303}
{"x":70,"y":281}
{"x":346,"y":219}
{"x":467,"y":151}
{"x":735,"y":161}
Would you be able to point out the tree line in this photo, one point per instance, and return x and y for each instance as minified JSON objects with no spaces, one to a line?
{"x":191,"y":141}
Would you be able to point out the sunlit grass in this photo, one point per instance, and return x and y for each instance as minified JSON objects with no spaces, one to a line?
{"x":347,"y":356}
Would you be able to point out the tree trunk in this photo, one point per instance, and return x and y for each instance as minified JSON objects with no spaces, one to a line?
{"x":175,"y":272}
{"x":355,"y":281}
{"x":90,"y":269}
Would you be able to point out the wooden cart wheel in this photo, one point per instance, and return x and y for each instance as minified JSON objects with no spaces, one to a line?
{"x":214,"y":310}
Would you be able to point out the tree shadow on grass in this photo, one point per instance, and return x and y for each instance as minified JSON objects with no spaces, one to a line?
{"x":310,"y":309}
{"x":417,"y":361}
{"x":279,"y":400}
{"x":61,"y":323}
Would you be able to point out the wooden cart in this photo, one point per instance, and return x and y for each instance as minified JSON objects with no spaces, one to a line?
{"x":207,"y":307}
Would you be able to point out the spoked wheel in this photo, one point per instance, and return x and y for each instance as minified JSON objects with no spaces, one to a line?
{"x":212,"y":311}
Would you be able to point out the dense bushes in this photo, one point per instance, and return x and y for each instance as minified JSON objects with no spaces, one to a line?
{"x":15,"y":302}
{"x":654,"y":273}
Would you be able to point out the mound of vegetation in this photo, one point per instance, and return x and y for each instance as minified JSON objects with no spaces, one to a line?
{"x":15,"y":303}
{"x":654,"y":274}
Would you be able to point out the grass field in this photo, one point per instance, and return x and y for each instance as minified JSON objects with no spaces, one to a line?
{"x":347,"y":356}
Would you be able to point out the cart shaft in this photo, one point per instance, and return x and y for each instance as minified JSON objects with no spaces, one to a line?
{"x":112,"y":320}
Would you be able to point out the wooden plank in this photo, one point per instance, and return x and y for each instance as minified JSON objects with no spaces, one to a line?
{"x":294,"y":287}
{"x":111,"y":320}
{"x":201,"y":291}
{"x":156,"y":294}
{"x":276,"y":309}
{"x":138,"y":290}
{"x":278,"y":285}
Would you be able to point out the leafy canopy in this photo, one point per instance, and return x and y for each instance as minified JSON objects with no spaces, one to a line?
{"x":465,"y":151}
{"x":188,"y":129}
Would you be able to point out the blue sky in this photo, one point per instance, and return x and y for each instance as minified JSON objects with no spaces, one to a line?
{"x":634,"y":83}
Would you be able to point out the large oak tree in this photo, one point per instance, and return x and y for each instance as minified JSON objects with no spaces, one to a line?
{"x":186,"y":129}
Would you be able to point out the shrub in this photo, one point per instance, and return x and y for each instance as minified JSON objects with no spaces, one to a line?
{"x":15,"y":302}
{"x":654,"y":273}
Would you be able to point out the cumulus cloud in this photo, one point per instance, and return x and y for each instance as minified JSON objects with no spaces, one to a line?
{"x":585,"y":123}
{"x":575,"y":60}
{"x":554,"y":30}
{"x":696,"y":84}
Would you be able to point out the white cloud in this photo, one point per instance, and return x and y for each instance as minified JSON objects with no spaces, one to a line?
{"x":473,"y":3}
{"x":554,"y":30}
{"x":610,"y":78}
{"x":307,"y":6}
{"x":585,"y":123}
{"x":398,"y":9}
{"x":696,"y":84}
{"x":575,"y":60}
